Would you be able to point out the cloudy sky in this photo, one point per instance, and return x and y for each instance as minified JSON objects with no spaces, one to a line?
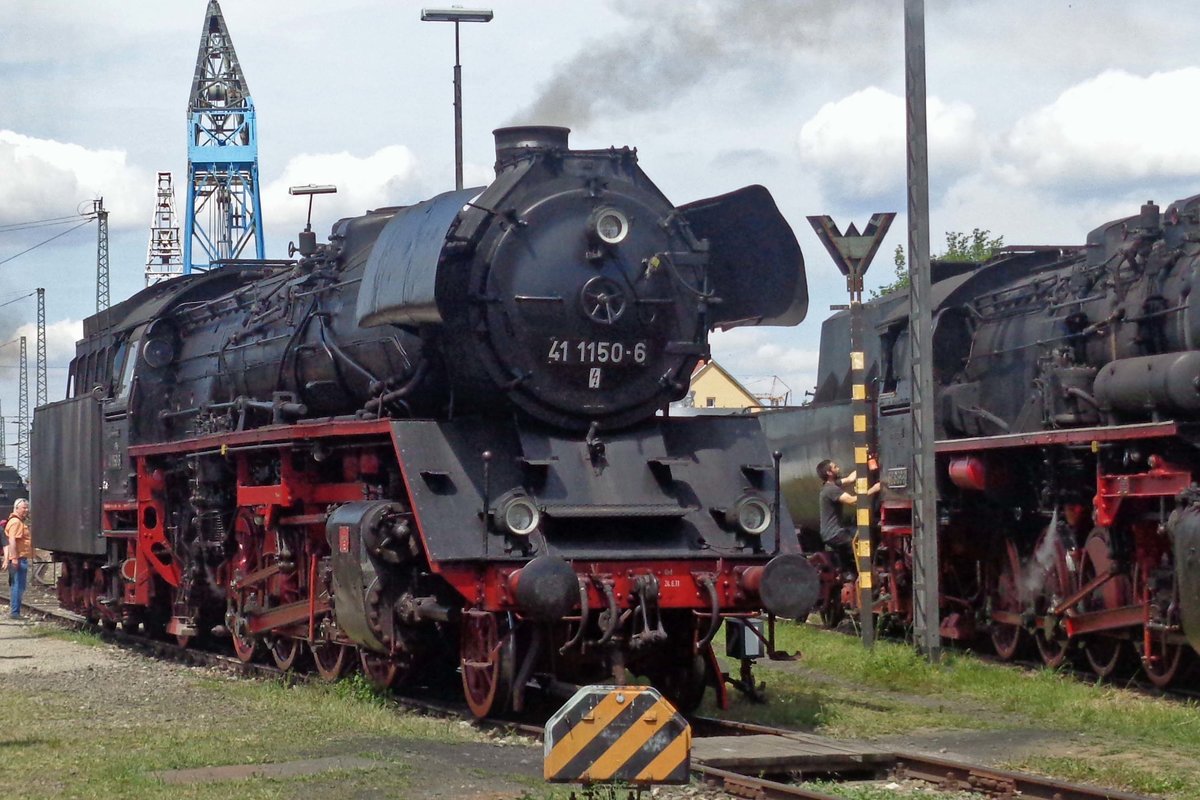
{"x":1047,"y":118}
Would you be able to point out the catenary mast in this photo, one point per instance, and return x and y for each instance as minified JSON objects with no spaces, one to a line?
{"x":224,"y":213}
{"x":23,"y":413}
{"x":40,"y":395}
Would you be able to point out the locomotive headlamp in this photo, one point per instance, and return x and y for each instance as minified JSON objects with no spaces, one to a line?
{"x":519,"y":515}
{"x":610,"y":225}
{"x":752,"y":516}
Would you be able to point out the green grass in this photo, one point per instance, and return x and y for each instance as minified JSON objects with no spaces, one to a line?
{"x":66,"y":635}
{"x":71,"y":751}
{"x":1125,"y":739}
{"x":1163,"y":779}
{"x":1046,"y":697}
{"x":852,"y":791}
{"x":69,"y":746}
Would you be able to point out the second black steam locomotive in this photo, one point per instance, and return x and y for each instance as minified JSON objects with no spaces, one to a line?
{"x":1067,"y":408}
{"x":437,"y":441}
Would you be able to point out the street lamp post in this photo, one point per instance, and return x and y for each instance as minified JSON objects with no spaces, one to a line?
{"x":457,"y":15}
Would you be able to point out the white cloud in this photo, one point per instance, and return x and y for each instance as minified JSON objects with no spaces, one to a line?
{"x":61,"y":336}
{"x":857,"y":144}
{"x":44,"y":178}
{"x":1115,"y":128}
{"x":389,"y":176}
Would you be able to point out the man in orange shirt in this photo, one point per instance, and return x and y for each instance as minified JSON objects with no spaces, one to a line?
{"x":19,"y":552}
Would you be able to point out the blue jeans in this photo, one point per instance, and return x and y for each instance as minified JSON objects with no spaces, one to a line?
{"x":19,"y":573}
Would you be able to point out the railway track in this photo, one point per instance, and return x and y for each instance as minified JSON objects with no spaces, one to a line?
{"x":778,"y":780}
{"x":756,"y":769}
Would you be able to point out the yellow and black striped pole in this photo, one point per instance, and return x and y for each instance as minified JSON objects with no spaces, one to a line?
{"x":852,"y":252}
{"x":862,"y":483}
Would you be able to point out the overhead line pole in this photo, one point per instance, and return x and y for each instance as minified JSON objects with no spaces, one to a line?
{"x":101,"y":256}
{"x":924,"y":485}
{"x":23,"y":414}
{"x":41,"y":348}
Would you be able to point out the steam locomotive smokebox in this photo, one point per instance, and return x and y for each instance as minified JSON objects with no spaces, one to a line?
{"x":355,"y":532}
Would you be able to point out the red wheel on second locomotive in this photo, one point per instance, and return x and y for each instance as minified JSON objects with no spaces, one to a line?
{"x":1053,"y":581}
{"x":1105,"y":654}
{"x":248,"y":558}
{"x":1164,"y":663}
{"x":486,"y":656}
{"x":286,"y":652}
{"x":245,"y":646}
{"x":1007,"y":638}
{"x":379,"y":669}
{"x":330,"y":659}
{"x":1163,"y":660}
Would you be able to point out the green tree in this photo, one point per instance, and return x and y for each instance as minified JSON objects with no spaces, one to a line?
{"x":900,"y":280}
{"x":978,"y":246}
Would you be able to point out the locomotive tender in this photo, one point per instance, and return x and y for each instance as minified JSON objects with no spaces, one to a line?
{"x":1067,"y":397}
{"x":437,"y":441}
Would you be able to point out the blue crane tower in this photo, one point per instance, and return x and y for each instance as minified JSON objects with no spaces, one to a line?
{"x":224,"y":212}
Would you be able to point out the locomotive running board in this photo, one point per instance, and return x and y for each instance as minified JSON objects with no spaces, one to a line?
{"x":1146,"y":430}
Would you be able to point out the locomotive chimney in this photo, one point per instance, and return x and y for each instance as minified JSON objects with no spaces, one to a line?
{"x":516,"y":142}
{"x":1149,"y":220}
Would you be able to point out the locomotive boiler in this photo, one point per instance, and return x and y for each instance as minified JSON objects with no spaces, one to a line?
{"x":1067,"y":394}
{"x":438,"y":440}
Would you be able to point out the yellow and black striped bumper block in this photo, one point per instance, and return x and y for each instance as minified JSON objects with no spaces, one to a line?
{"x":618,"y":734}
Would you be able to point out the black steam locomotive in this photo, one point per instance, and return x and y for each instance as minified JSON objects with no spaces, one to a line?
{"x":1067,"y":397}
{"x":439,"y":439}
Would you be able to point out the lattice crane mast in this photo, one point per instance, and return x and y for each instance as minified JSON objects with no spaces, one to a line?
{"x":164,"y":256}
{"x":224,"y":212}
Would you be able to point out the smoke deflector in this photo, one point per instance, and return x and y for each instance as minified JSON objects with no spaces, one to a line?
{"x":756,"y":268}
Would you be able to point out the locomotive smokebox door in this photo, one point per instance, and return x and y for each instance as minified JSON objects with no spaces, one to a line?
{"x":356,"y":534}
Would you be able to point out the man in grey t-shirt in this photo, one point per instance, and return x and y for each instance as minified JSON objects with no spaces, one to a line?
{"x":834,"y":494}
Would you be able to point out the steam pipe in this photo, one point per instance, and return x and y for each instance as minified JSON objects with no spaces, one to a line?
{"x":583,"y":618}
{"x":714,"y":623}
